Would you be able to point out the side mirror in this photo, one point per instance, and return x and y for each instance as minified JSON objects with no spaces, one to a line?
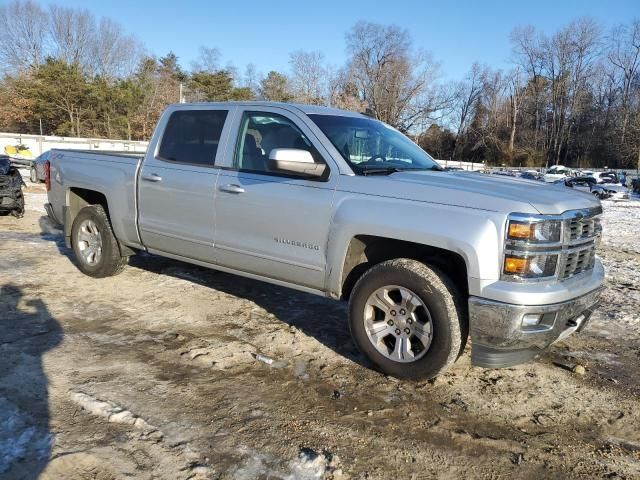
{"x":295,"y":162}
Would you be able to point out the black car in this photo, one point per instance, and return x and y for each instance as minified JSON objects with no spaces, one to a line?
{"x":11,"y":196}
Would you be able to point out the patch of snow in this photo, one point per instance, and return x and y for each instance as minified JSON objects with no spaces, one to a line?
{"x":35,"y":202}
{"x":109,"y":410}
{"x":19,"y":440}
{"x":307,"y":466}
{"x":620,"y":224}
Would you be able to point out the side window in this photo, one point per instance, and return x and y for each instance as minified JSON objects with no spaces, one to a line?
{"x":261,"y":132}
{"x":192,"y":136}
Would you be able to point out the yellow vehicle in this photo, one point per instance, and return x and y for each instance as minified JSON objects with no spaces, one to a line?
{"x":19,"y":150}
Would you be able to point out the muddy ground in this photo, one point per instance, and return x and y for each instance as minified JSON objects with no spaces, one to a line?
{"x":152,"y":375}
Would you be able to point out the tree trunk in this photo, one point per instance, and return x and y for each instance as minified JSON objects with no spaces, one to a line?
{"x":514,"y":119}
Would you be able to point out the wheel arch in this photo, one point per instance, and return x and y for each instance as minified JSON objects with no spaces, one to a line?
{"x":79,"y":198}
{"x":365,"y":251}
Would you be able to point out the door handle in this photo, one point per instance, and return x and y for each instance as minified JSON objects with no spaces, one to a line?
{"x":232,"y":188}
{"x":152,"y":177}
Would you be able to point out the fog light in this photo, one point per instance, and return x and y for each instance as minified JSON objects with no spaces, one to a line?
{"x":531,"y":319}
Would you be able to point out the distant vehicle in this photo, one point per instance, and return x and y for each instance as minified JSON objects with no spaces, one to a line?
{"x":11,"y":197}
{"x":530,"y":175}
{"x":36,"y":174}
{"x":611,"y":191}
{"x":338,"y":204}
{"x":454,"y":169}
{"x":606,"y":177}
{"x":601,"y":191}
{"x":557,"y":172}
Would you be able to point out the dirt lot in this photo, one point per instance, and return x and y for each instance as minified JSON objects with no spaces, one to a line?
{"x":152,"y":374}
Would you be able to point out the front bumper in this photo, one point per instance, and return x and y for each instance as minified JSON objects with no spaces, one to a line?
{"x":499,"y":339}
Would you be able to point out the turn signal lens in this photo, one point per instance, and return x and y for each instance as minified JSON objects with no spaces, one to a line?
{"x":520,"y":230}
{"x":516,"y":265}
{"x":531,"y":266}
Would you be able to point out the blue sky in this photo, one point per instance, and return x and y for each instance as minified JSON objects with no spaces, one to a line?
{"x":264,"y":32}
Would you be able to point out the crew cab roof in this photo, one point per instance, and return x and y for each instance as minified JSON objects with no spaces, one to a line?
{"x":308,"y":109}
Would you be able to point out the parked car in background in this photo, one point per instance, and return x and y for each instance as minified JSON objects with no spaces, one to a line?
{"x":557,"y":172}
{"x":611,"y":191}
{"x":530,"y":175}
{"x":11,"y":197}
{"x":36,"y":174}
{"x":606,"y":177}
{"x":590,"y":185}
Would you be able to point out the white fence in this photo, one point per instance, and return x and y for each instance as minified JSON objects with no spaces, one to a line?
{"x":463,"y":165}
{"x":41,"y":143}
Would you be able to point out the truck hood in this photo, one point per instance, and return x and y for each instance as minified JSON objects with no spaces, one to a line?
{"x":488,"y":192}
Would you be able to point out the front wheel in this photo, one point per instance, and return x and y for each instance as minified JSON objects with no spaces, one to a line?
{"x":408,"y":319}
{"x":94,"y":244}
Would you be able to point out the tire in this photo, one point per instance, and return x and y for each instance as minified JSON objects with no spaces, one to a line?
{"x":33,"y":175}
{"x":18,"y":212}
{"x":442,"y":312}
{"x":92,"y":229}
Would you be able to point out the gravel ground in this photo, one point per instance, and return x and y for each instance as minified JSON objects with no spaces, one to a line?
{"x":153,"y":375}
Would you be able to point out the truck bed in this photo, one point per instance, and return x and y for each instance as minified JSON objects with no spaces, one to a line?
{"x":114,"y":174}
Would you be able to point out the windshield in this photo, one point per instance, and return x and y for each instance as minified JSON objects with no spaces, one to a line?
{"x":372,"y":146}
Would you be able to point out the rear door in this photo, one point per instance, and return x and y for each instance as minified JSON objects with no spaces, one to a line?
{"x":177,"y":183}
{"x":267,"y":223}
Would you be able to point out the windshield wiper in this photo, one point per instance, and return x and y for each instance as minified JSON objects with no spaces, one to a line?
{"x":432,"y":168}
{"x":389,"y":170}
{"x":379,"y":170}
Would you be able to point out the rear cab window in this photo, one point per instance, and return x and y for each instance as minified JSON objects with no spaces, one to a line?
{"x":192,"y":137}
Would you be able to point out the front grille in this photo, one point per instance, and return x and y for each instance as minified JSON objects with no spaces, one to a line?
{"x":577,"y":261}
{"x":582,"y":228}
{"x":579,"y":253}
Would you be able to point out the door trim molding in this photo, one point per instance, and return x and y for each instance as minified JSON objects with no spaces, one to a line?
{"x":271,"y":258}
{"x":178,"y":237}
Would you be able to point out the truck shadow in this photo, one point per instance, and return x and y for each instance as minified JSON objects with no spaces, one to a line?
{"x":27,"y":331}
{"x":321,"y":318}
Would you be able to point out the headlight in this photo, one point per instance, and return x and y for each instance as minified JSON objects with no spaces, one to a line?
{"x":534,"y":230}
{"x":532,"y":246}
{"x":530,"y":265}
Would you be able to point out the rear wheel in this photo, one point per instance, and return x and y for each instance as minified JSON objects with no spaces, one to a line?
{"x":408,"y":318}
{"x":94,"y":244}
{"x":33,"y":175}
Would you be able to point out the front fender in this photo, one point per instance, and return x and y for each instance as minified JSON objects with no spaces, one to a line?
{"x":475,"y":235}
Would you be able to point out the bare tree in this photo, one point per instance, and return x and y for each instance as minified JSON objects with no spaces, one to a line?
{"x":624,"y":54}
{"x":23,"y":31}
{"x":398,"y":84}
{"x":114,"y":54}
{"x":251,"y":79}
{"x":468,"y":92}
{"x":72,"y":35}
{"x":208,"y":60}
{"x":308,"y":77}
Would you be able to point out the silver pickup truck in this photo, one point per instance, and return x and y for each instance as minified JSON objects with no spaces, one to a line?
{"x":337,"y":204}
